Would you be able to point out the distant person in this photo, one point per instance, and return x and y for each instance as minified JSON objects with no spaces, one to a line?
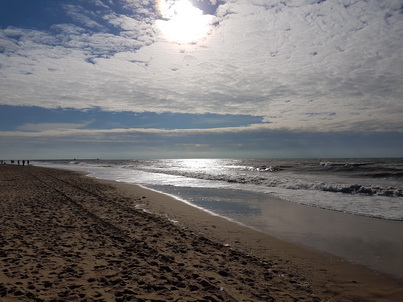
{"x":18,"y":162}
{"x":23,"y":162}
{"x":27,"y":162}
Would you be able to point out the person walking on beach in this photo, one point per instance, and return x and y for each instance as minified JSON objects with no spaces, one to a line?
{"x":23,"y":162}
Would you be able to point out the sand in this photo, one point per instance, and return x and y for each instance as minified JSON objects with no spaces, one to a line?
{"x":68,"y":237}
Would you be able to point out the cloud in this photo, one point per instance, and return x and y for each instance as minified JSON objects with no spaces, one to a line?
{"x":83,"y":16}
{"x":255,"y":141}
{"x":52,"y":127}
{"x":74,"y":130}
{"x":312,"y":65}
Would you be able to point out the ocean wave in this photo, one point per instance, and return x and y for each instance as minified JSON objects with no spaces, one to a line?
{"x":292,"y":183}
{"x":342,"y":164}
{"x":351,"y":188}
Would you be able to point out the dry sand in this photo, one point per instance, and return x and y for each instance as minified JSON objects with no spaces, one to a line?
{"x":67,"y":237}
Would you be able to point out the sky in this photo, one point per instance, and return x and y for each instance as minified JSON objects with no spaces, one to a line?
{"x":134,"y":79}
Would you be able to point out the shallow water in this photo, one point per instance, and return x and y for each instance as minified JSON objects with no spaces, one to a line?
{"x":371,"y":242}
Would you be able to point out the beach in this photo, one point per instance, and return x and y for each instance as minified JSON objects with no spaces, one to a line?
{"x":68,"y":237}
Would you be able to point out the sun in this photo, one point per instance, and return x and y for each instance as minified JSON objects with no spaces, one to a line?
{"x":182,"y":22}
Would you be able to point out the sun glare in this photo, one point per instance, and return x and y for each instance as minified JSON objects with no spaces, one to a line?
{"x":182,"y":22}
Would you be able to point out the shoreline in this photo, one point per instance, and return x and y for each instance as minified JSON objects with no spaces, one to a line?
{"x":261,"y":244}
{"x":373,"y":243}
{"x":254,"y":241}
{"x":72,"y":237}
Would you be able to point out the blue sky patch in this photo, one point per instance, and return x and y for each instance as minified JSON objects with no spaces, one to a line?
{"x":39,"y":14}
{"x":13,"y":117}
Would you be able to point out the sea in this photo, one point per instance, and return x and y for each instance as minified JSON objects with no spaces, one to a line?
{"x":368,"y":187}
{"x":350,"y":208}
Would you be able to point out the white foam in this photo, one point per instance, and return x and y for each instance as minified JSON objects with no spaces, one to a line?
{"x":355,"y":195}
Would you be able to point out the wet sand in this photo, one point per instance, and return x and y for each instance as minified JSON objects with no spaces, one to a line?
{"x":67,"y":237}
{"x":371,"y":242}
